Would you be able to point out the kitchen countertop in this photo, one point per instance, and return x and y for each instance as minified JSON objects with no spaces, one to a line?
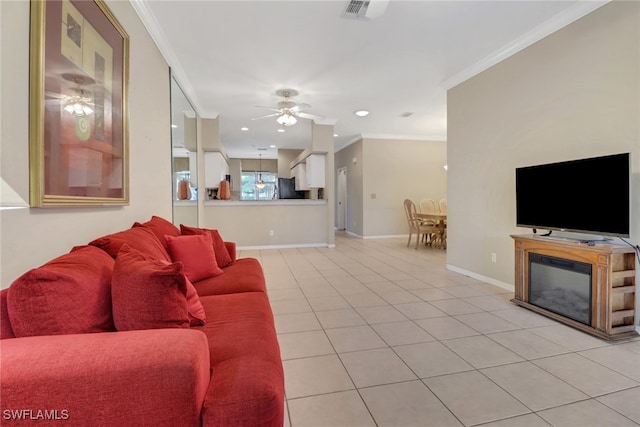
{"x":279,"y":202}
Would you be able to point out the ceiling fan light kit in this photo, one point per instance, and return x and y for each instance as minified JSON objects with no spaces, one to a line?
{"x":78,"y":106}
{"x":287,"y":120}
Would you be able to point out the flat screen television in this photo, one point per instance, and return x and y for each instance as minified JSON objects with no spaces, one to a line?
{"x":587,"y":195}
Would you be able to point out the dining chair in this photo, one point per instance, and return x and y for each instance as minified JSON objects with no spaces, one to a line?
{"x":443,"y":205}
{"x":417,"y":226}
{"x":428,"y":206}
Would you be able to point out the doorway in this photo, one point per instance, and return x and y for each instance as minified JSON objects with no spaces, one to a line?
{"x":341,"y":206}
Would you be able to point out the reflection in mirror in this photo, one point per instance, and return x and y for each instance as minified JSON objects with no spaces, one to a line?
{"x":184,"y":158}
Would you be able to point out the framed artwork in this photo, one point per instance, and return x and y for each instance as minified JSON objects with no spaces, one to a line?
{"x":78,"y":138}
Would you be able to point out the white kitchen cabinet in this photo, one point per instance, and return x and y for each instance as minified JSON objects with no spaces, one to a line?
{"x":315,"y":171}
{"x":300,"y":174}
{"x":310,"y":173}
{"x":215,"y":169}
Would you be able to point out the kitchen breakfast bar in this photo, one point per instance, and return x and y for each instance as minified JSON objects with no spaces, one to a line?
{"x":278,"y":223}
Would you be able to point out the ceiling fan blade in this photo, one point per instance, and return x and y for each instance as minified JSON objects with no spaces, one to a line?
{"x":268,"y":115}
{"x":269,"y":108}
{"x":53,"y":95}
{"x":310,"y":116}
{"x":300,"y":107}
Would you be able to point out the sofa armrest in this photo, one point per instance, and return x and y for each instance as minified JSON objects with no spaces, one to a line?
{"x":5,"y":324}
{"x":148,"y":378}
{"x":231,"y":247}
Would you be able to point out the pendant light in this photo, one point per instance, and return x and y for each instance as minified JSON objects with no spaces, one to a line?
{"x":260,"y":184}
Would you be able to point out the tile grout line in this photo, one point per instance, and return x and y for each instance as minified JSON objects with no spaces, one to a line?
{"x":315,"y":257}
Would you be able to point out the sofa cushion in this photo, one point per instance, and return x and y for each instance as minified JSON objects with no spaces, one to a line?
{"x":244,"y":275}
{"x":148,"y":293}
{"x":219,"y":247}
{"x":247,"y":386}
{"x":197,"y":316}
{"x":70,"y":294}
{"x":160,"y":227}
{"x":196,"y":254}
{"x":140,"y":238}
{"x":231,"y":248}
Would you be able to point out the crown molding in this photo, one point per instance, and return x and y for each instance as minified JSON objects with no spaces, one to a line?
{"x":339,"y":145}
{"x":403,"y":137}
{"x":157,"y":35}
{"x":550,"y":26}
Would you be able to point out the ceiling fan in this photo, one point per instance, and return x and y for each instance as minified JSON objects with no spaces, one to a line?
{"x":287,"y":110}
{"x":78,"y":100}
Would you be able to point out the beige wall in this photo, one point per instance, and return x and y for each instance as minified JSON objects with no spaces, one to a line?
{"x":396,"y":170}
{"x":285,"y":157}
{"x":572,"y":95}
{"x":30,"y":237}
{"x":264,"y":165}
{"x":387,"y":172}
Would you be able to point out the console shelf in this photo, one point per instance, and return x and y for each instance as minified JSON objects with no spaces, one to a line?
{"x":613,"y":284}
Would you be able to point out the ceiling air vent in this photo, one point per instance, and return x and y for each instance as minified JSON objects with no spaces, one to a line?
{"x":356,"y":8}
{"x":365,"y":9}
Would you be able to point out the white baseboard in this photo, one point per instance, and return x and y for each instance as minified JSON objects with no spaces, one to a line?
{"x":386,"y":236}
{"x":383,"y":236}
{"x":498,"y":283}
{"x":294,"y":246}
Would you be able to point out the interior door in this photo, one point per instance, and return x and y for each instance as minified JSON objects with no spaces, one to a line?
{"x":341,"y":206}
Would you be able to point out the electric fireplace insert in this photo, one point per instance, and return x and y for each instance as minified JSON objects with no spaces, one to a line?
{"x":561,"y":286}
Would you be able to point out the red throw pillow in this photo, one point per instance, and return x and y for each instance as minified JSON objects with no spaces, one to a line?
{"x":219,"y":248}
{"x":160,"y":227}
{"x":70,"y":294}
{"x":148,"y":293}
{"x":196,"y":254}
{"x":197,"y":317}
{"x":141,"y":239}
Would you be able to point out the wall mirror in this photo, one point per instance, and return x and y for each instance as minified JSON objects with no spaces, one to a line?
{"x":184,"y":156}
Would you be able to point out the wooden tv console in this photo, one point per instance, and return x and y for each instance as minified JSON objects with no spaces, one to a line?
{"x":613,"y":282}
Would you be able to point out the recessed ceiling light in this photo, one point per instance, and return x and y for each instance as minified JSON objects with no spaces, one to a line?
{"x":361,"y":113}
{"x":335,"y":135}
{"x":272,"y":146}
{"x":244,"y":128}
{"x":281,"y":130}
{"x":174,"y":126}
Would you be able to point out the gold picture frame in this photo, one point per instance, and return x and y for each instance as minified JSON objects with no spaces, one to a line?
{"x":78,"y":128}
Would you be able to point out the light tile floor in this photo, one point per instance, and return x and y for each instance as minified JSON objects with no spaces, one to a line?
{"x":375,"y":333}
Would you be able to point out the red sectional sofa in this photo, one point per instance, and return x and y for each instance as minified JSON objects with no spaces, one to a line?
{"x":64,"y":357}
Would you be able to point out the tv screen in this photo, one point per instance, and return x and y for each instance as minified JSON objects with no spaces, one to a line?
{"x":588,"y":195}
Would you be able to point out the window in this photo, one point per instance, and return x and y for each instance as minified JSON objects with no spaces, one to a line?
{"x":251,"y":192}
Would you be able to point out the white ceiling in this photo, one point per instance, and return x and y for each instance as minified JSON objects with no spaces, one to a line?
{"x":230,"y":56}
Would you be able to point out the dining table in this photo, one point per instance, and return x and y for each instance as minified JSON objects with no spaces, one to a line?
{"x":441,"y":222}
